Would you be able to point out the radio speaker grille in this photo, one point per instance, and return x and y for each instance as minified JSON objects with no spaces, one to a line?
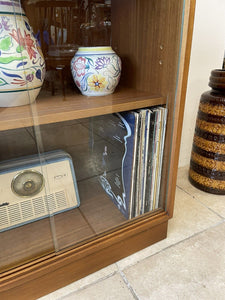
{"x":28,"y":210}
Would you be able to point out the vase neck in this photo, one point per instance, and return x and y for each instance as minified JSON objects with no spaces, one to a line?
{"x":95,"y":50}
{"x":217,"y":80}
{"x":11,"y":7}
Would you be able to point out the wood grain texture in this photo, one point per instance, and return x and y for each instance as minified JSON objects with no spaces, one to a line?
{"x":51,"y":109}
{"x":170,"y":32}
{"x":26,"y":243}
{"x":150,"y":52}
{"x":188,"y":25}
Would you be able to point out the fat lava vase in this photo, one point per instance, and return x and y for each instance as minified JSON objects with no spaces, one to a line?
{"x":22,"y":66}
{"x":207,"y":166}
{"x":96,"y":70}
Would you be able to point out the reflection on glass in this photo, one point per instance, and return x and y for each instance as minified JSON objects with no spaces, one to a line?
{"x":24,"y":235}
{"x":60,"y":28}
{"x":96,"y":27}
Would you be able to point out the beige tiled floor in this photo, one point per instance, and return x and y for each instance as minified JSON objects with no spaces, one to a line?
{"x":189,"y":264}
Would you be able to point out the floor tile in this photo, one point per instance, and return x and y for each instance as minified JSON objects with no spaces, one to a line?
{"x":112,"y":288}
{"x":193,"y":269}
{"x":214,"y":202}
{"x":79,"y":284}
{"x":190,"y":217}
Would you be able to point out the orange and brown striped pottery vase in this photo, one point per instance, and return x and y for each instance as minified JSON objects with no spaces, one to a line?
{"x":207,"y":165}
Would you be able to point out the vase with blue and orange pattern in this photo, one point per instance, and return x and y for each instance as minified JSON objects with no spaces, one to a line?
{"x":22,"y":65}
{"x":96,"y":70}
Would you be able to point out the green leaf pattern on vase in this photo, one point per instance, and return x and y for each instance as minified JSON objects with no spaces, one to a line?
{"x":22,"y":65}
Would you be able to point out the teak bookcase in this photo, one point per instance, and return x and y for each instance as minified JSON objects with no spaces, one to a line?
{"x":153,"y":39}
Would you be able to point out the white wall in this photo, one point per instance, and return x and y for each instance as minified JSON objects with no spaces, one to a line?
{"x":208,"y":46}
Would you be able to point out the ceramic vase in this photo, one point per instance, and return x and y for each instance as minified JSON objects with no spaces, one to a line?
{"x":207,"y":166}
{"x":96,"y":70}
{"x":22,"y":66}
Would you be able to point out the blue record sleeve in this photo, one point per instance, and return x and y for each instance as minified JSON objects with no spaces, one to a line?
{"x":118,"y":169}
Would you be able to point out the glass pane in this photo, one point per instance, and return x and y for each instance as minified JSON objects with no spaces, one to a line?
{"x":25,"y":228}
{"x":101,"y":160}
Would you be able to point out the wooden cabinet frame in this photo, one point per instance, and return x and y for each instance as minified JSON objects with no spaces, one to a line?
{"x":166,"y":81}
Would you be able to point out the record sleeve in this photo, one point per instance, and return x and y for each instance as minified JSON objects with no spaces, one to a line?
{"x":144,"y":115}
{"x":119,"y":131}
{"x":156,"y":158}
{"x":161,"y":151}
{"x":152,"y":160}
{"x":140,"y":160}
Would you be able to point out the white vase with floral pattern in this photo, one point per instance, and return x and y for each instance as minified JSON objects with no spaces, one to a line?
{"x":96,"y":70}
{"x":22,"y":66}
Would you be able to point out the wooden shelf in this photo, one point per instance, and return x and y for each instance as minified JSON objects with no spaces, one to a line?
{"x":52,"y":109}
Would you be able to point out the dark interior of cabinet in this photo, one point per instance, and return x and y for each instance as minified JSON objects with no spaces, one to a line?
{"x":146,"y":35}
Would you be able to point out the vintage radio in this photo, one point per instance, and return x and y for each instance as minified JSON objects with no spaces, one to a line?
{"x":35,"y":187}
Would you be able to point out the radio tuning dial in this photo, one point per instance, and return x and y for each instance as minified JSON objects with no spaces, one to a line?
{"x":27,"y":183}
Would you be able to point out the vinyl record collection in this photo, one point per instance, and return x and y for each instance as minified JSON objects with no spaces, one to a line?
{"x":131,"y":161}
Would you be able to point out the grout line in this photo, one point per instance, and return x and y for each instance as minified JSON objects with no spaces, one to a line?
{"x":130,"y":288}
{"x":194,"y":235}
{"x":123,"y":276}
{"x":172,"y":245}
{"x":88,"y":285}
{"x":202,"y":203}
